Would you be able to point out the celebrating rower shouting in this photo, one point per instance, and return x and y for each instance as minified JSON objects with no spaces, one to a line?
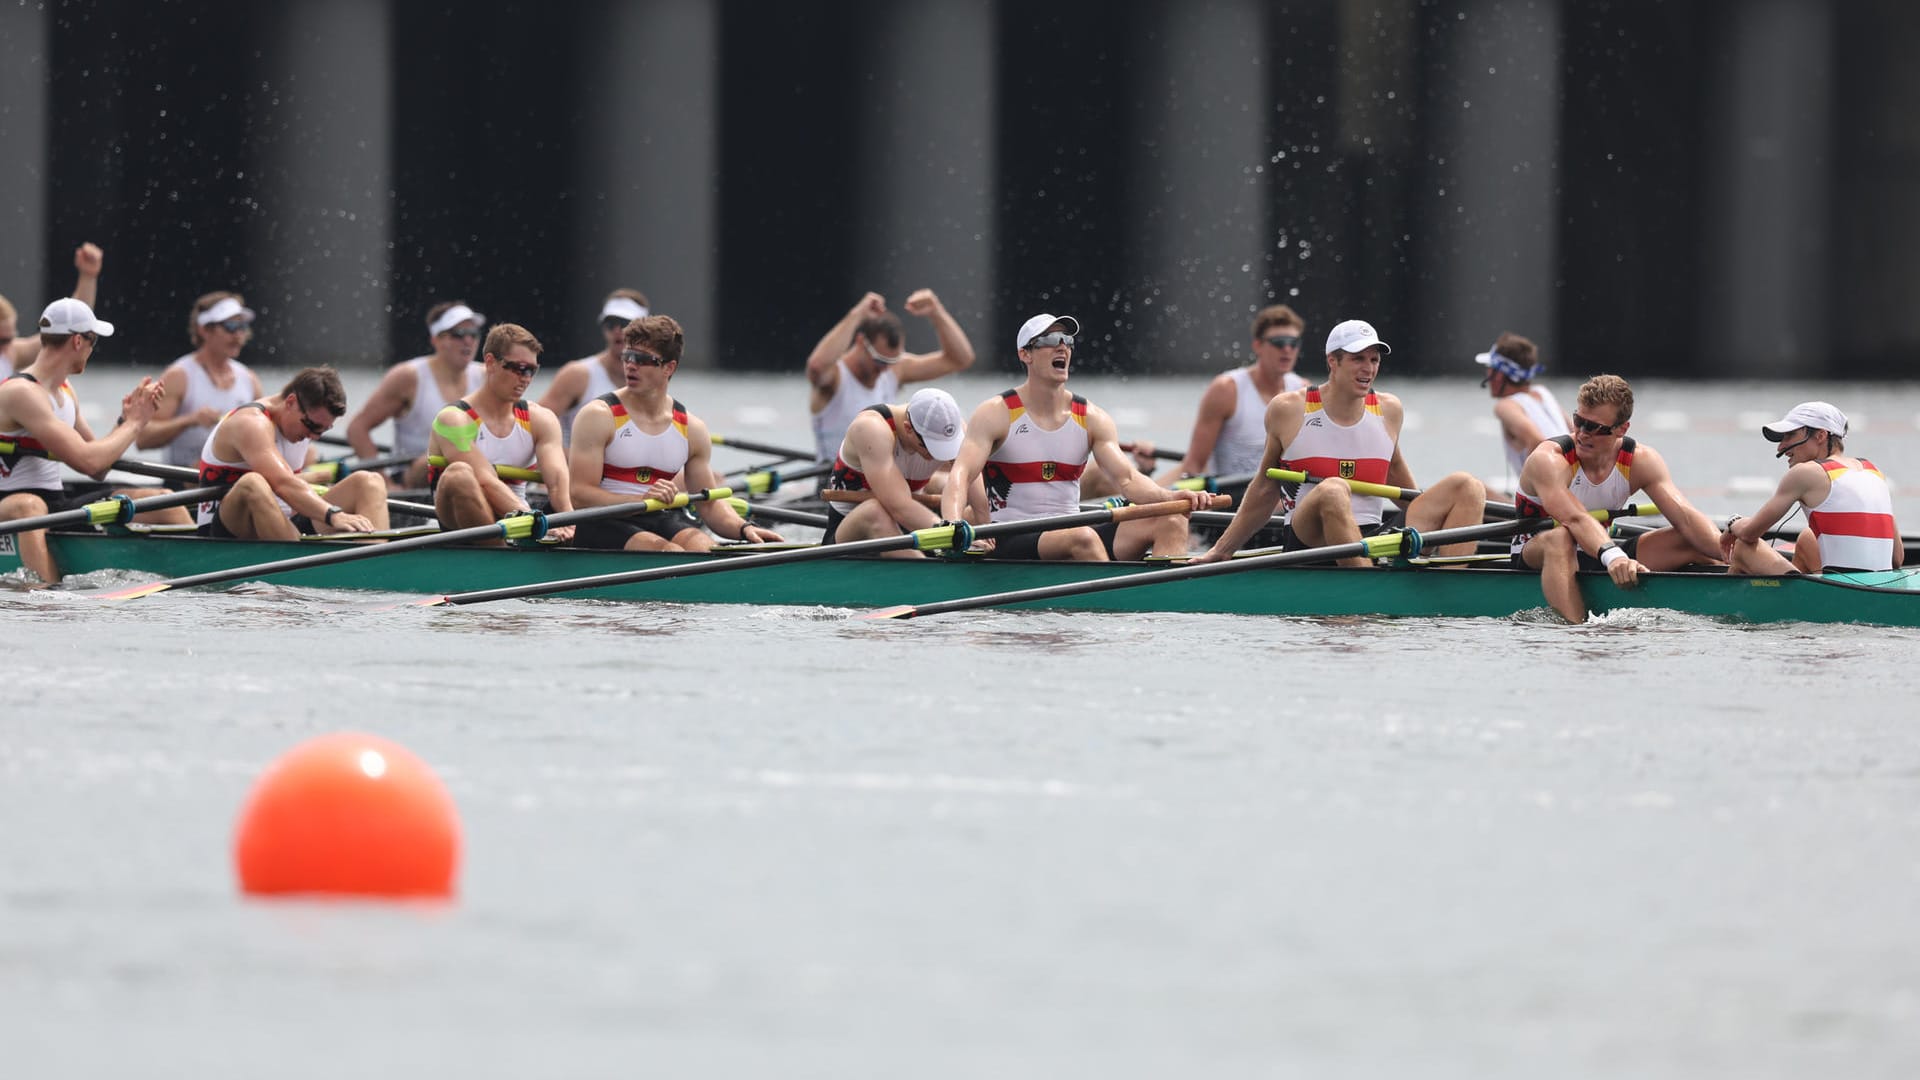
{"x":1850,"y":522}
{"x":1599,"y":467}
{"x":40,"y":420}
{"x":893,"y":451}
{"x":1338,"y":431}
{"x":492,"y":427}
{"x":260,"y":449}
{"x":1030,"y":444}
{"x":638,"y":443}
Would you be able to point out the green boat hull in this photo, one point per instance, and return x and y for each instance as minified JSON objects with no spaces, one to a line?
{"x":1891,"y":598}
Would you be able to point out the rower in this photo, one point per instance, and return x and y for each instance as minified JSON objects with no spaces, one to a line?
{"x":863,"y":361}
{"x":1031,"y":444}
{"x":1599,"y":467}
{"x":636,"y":443}
{"x":1229,"y":432}
{"x":893,"y":451}
{"x":207,"y":383}
{"x":40,"y":418}
{"x":260,"y":448}
{"x":1528,"y":413}
{"x":413,"y":392}
{"x":1344,"y":430}
{"x":17,"y":350}
{"x":1850,"y":522}
{"x":580,"y":381}
{"x":496,"y":426}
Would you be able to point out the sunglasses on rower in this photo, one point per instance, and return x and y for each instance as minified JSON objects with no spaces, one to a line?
{"x":613,"y":324}
{"x":525,"y":371}
{"x":1048,"y":341}
{"x":1284,"y":341}
{"x":314,"y":427}
{"x":469,"y":333}
{"x":642,"y":359}
{"x":1592,"y":427}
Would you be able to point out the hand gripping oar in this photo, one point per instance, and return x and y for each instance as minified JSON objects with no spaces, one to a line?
{"x":956,"y":536}
{"x":1405,"y":543}
{"x":116,"y":510}
{"x":526,"y":526}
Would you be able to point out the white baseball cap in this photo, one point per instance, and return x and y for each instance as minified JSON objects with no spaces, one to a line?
{"x":1807,"y":414}
{"x":623,"y":307}
{"x":453,"y":317}
{"x":936,"y":416}
{"x":1037,"y":325}
{"x":223,"y":309}
{"x":69,"y":316}
{"x":1354,"y":335}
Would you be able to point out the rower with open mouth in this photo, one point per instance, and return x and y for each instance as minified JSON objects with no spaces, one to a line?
{"x":1030,"y":445}
{"x":1342,"y":430}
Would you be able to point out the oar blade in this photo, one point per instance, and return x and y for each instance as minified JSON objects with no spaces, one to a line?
{"x":898,"y":611}
{"x":131,"y":592}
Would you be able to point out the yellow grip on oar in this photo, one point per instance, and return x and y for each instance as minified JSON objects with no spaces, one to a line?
{"x":761,"y":483}
{"x":1358,"y":487}
{"x":526,"y":525}
{"x":504,"y":472}
{"x":110,"y":511}
{"x":1386,"y":545}
{"x":1192,"y":483}
{"x":951,"y":536}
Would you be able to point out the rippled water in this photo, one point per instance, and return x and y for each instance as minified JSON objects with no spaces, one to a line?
{"x":776,"y":841}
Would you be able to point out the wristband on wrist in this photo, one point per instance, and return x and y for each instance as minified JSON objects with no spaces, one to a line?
{"x":744,"y":526}
{"x":1611,"y":554}
{"x":331,"y":510}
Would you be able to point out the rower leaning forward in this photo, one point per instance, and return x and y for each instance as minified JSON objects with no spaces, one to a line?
{"x":1600,"y":467}
{"x":1341,"y":430}
{"x":895,"y":452}
{"x":496,"y":427}
{"x":260,"y":449}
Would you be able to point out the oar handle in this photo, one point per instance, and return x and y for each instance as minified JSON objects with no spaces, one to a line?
{"x":514,"y":473}
{"x":1358,"y":487}
{"x":156,"y":469}
{"x":1135,"y":511}
{"x":341,"y":468}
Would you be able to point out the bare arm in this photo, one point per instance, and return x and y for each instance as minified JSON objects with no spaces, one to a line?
{"x":87,"y":261}
{"x":167,"y":424}
{"x":592,"y":430}
{"x":391,"y":398}
{"x":718,"y":514}
{"x":500,"y":497}
{"x":550,"y":455}
{"x":1547,"y":472}
{"x":1284,"y":416}
{"x":872,"y":442}
{"x":1651,"y":476}
{"x":1516,"y":427}
{"x":1216,"y":408}
{"x":252,"y":435}
{"x":956,"y":352}
{"x":73,"y":445}
{"x":1137,"y":487}
{"x":1804,"y":482}
{"x":985,"y":432}
{"x":823,"y":369}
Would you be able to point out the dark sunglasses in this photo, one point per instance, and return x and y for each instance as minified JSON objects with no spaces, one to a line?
{"x":634,"y":356}
{"x":93,"y":339}
{"x":235,"y":326}
{"x":1048,"y":341}
{"x":1581,"y":423}
{"x":518,"y":368}
{"x":612,"y":323}
{"x":313,"y":427}
{"x":1284,"y":341}
{"x":466,"y":332}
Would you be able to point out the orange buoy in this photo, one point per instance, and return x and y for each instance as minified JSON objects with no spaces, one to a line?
{"x":348,"y":814}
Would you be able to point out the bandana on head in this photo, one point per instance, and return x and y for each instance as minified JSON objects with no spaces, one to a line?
{"x":1512,"y":370}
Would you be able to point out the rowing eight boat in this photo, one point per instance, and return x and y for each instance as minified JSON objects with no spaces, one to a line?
{"x":1888,"y":598}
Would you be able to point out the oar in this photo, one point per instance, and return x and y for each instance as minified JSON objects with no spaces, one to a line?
{"x":841,"y":495}
{"x":157,"y":469}
{"x":1159,"y":453}
{"x":340,"y":468}
{"x":116,"y":510}
{"x":511,"y":473}
{"x":772,"y":512}
{"x":1210,"y":483}
{"x":1494,"y":508}
{"x":1406,"y":543}
{"x":342,"y":440}
{"x":956,"y":536}
{"x":527,"y":526}
{"x":752,"y":447}
{"x":768,"y":481}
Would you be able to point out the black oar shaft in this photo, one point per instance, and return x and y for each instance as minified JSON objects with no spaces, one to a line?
{"x":752,"y":447}
{"x":1372,"y":547}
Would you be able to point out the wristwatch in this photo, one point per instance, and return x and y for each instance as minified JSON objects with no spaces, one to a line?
{"x":331,"y":510}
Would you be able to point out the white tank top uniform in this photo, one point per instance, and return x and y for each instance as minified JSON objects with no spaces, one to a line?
{"x":635,"y":460}
{"x":28,"y":468}
{"x":1036,"y":472}
{"x":1540,"y":406}
{"x":1855,"y":521}
{"x":1363,"y":451}
{"x":217,"y":470}
{"x":412,"y":429}
{"x":1610,"y":493}
{"x":201,"y":392}
{"x":515,"y":449}
{"x":1243,"y":438}
{"x":849,"y":397}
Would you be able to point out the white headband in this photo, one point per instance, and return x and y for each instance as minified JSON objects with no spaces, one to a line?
{"x":620,"y":307}
{"x":453,"y":317}
{"x":223,"y":309}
